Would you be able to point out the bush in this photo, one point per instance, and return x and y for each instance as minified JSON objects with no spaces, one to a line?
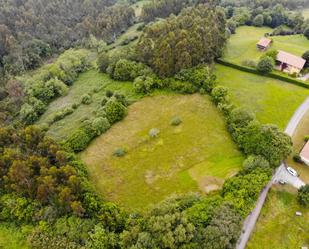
{"x":303,"y":195}
{"x":100,"y":125}
{"x":219,"y":94}
{"x":182,"y":87}
{"x":176,"y":121}
{"x":143,"y":84}
{"x":297,"y":158}
{"x":120,"y":152}
{"x":306,"y":139}
{"x":305,"y":56}
{"x":109,"y":93}
{"x":258,"y":21}
{"x":103,"y":62}
{"x":78,"y":141}
{"x":28,"y":114}
{"x":253,"y":162}
{"x":306,"y":32}
{"x":154,"y":132}
{"x":86,"y":99}
{"x":265,"y":65}
{"x":62,"y":113}
{"x":104,"y":101}
{"x":115,"y":111}
{"x":273,"y":54}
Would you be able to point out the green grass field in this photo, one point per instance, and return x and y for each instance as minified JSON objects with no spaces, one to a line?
{"x":273,"y":101}
{"x":196,"y":155}
{"x":11,"y":237}
{"x":242,"y":45}
{"x":86,"y":83}
{"x":278,"y":227}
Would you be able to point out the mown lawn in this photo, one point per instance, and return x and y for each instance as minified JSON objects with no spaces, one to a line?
{"x":242,"y":45}
{"x":91,"y":82}
{"x":278,"y":227}
{"x":298,"y":143}
{"x":196,"y":155}
{"x":11,"y":237}
{"x":272,"y":101}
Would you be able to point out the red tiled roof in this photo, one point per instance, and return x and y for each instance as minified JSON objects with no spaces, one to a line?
{"x":264,"y":42}
{"x":305,"y":151}
{"x":291,"y":59}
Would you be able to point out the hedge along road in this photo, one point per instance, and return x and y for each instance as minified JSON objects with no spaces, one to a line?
{"x":251,"y":219}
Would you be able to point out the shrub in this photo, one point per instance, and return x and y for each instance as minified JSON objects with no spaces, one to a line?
{"x":103,"y":62}
{"x":253,"y":162}
{"x":86,"y":99}
{"x":100,"y":125}
{"x":297,"y":158}
{"x":266,"y":64}
{"x":62,"y":113}
{"x":120,"y":152}
{"x":182,"y":87}
{"x":306,"y":138}
{"x":176,"y":121}
{"x":121,"y":98}
{"x":115,"y":111}
{"x":154,"y":132}
{"x":28,"y":114}
{"x":219,"y":94}
{"x":306,"y":32}
{"x":143,"y":84}
{"x":303,"y":195}
{"x":273,"y":54}
{"x":104,"y":101}
{"x":305,"y":56}
{"x":78,"y":141}
{"x":109,"y":93}
{"x":258,"y":21}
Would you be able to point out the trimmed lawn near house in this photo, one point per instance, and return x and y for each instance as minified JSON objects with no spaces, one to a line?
{"x":273,"y":101}
{"x":278,"y":227}
{"x":196,"y":155}
{"x":242,"y":45}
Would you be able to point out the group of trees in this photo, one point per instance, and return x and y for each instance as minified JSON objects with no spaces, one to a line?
{"x":196,"y":35}
{"x":31,"y":31}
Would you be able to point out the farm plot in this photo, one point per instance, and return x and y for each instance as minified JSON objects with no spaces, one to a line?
{"x":198,"y":154}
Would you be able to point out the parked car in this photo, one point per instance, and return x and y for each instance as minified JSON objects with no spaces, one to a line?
{"x":292,"y":171}
{"x":282,"y":182}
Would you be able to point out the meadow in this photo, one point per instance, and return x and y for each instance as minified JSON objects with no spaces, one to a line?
{"x":242,"y":45}
{"x":197,"y":155}
{"x":272,"y":101}
{"x":278,"y":227}
{"x":91,"y":82}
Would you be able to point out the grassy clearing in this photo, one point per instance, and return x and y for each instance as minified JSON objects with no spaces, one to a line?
{"x":273,"y":101}
{"x":139,"y":6}
{"x":278,"y":227}
{"x":198,"y":154}
{"x":11,"y":237}
{"x":298,"y":143}
{"x":242,"y":45}
{"x":87,"y":82}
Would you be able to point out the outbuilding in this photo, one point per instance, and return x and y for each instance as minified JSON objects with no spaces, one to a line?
{"x":263,"y":44}
{"x":304,"y":154}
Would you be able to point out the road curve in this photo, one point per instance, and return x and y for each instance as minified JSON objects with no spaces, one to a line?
{"x":251,"y":219}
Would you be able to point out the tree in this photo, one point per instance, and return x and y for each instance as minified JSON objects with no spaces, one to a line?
{"x":115,"y":111}
{"x":305,"y":56}
{"x":303,"y":195}
{"x":103,"y":62}
{"x":306,"y":32}
{"x":266,"y":64}
{"x":258,"y":21}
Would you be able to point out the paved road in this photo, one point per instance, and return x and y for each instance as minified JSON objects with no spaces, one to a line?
{"x":281,"y":172}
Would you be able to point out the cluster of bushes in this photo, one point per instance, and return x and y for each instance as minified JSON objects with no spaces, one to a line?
{"x":50,"y":82}
{"x":113,"y":109}
{"x":303,"y":195}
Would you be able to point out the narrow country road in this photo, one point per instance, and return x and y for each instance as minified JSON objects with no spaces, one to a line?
{"x":251,"y":219}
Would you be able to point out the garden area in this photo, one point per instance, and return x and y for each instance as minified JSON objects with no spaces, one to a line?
{"x":195,"y":155}
{"x":242,"y":45}
{"x":272,"y":101}
{"x":278,"y":227}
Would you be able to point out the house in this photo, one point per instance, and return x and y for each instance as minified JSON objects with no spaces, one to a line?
{"x":289,"y":63}
{"x":263,"y":44}
{"x":304,"y":154}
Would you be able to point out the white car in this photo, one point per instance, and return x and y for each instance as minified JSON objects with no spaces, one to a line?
{"x":292,"y":171}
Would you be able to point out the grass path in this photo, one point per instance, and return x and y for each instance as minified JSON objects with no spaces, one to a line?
{"x":272,"y":101}
{"x":197,"y":155}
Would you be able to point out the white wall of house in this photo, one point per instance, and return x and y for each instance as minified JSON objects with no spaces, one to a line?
{"x":305,"y":160}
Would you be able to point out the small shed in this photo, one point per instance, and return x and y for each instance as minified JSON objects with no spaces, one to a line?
{"x":263,"y":44}
{"x":304,"y":154}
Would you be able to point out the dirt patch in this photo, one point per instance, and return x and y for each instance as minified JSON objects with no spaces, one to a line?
{"x":209,"y":183}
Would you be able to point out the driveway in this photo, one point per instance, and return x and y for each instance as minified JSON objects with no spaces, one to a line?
{"x":283,"y":174}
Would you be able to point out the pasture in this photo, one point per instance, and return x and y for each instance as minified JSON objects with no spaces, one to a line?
{"x":272,"y":101}
{"x":242,"y":45}
{"x":197,"y":155}
{"x":91,"y":82}
{"x":277,"y":226}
